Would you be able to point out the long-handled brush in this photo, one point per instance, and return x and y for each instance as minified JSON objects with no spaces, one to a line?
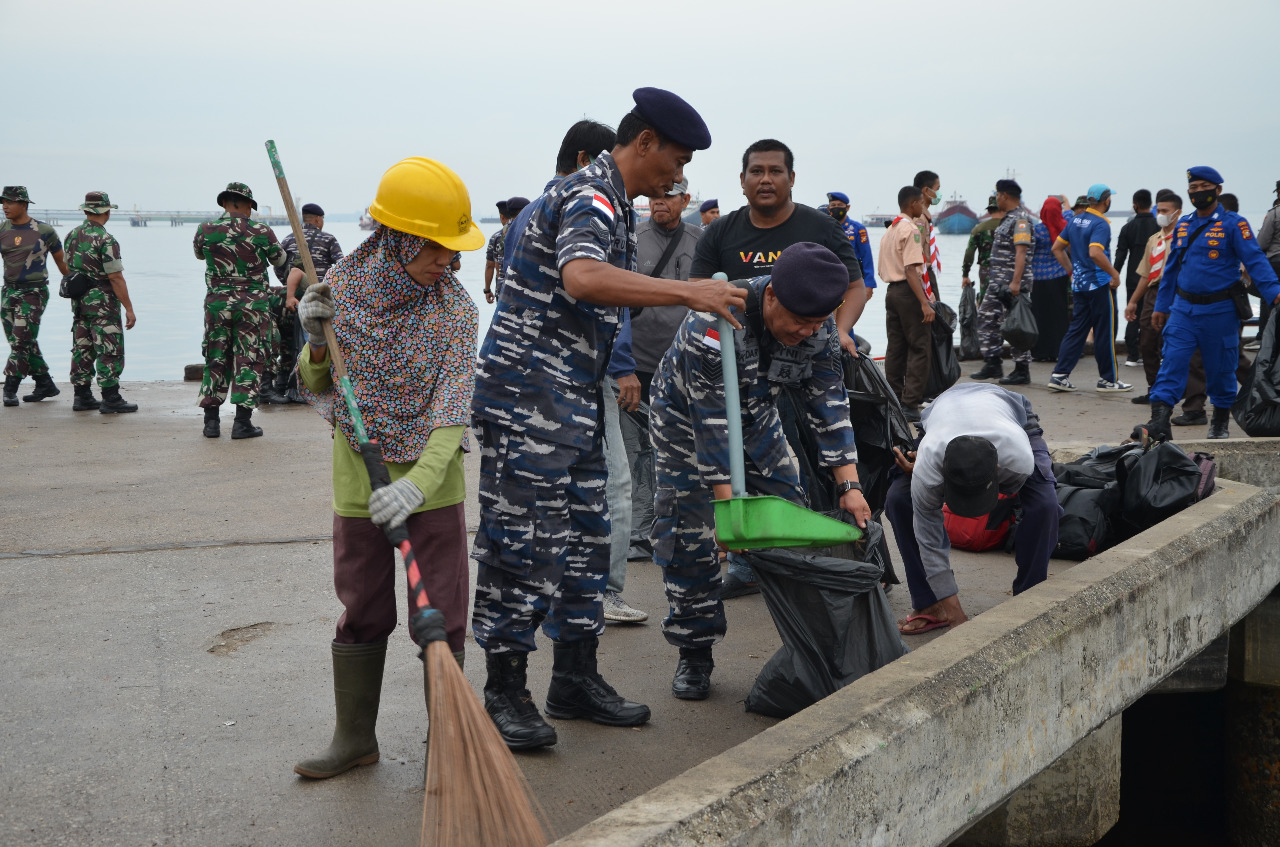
{"x":475,"y":792}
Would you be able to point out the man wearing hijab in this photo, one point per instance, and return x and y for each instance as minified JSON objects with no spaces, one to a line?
{"x":407,"y":329}
{"x":543,"y":541}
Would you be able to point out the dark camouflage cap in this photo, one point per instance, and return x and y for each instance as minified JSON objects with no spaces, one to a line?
{"x":15,"y":192}
{"x":97,"y":202}
{"x":237,"y":189}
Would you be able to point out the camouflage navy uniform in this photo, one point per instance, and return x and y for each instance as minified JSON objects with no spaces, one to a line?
{"x":691,"y":443}
{"x":25,"y":294}
{"x":235,"y":251}
{"x":1016,"y":228}
{"x":97,"y":331}
{"x":325,"y":253}
{"x":544,"y":523}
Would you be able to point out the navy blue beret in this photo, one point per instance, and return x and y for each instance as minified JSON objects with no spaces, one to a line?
{"x":515,"y":205}
{"x":1206,"y":173}
{"x":1009,"y":186}
{"x":809,"y":280}
{"x":672,"y":117}
{"x":838,"y":195}
{"x":313,"y":209}
{"x":708,"y":205}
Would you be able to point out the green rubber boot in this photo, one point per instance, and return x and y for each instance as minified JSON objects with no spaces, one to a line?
{"x":357,"y":687}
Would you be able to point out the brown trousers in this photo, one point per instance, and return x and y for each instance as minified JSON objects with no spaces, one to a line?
{"x":365,"y":574}
{"x":909,"y":352}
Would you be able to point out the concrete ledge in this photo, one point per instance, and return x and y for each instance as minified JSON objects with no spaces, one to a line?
{"x":918,"y":751}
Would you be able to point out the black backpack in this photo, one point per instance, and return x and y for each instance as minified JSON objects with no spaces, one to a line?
{"x":1084,"y":529}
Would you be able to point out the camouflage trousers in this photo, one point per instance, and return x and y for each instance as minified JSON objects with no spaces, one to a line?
{"x":271,"y":341}
{"x":235,"y":326}
{"x":20,"y":313}
{"x":543,"y":541}
{"x":991,"y":318}
{"x":97,"y":339}
{"x":683,"y":533}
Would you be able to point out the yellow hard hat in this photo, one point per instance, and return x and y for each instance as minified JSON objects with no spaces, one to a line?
{"x":423,"y":197}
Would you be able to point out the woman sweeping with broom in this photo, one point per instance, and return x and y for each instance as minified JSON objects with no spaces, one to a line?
{"x":407,"y":330}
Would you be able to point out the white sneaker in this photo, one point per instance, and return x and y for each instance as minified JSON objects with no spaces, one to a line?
{"x":618,"y":610}
{"x":1105,"y":386}
{"x":1253,"y":346}
{"x":1133,"y":363}
{"x":1059,"y":382}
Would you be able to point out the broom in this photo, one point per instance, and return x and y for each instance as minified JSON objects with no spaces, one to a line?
{"x":475,"y":793}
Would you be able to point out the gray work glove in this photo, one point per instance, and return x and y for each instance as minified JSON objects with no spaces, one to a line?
{"x":390,"y":505}
{"x":316,"y":305}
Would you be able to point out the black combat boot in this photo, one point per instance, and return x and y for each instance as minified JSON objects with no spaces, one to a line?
{"x":693,"y":674}
{"x":84,"y":400}
{"x":993,"y":369}
{"x":44,"y":388}
{"x":1218,"y":427}
{"x":267,"y":392}
{"x":357,"y":690}
{"x":578,"y":691}
{"x":243,"y":426}
{"x":1021,"y":375}
{"x":509,"y":703}
{"x":113,"y":403}
{"x":212,"y":426}
{"x":11,"y":384}
{"x":1157,"y":429}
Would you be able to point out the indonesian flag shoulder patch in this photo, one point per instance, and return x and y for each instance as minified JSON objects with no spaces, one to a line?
{"x":712,"y":339}
{"x":601,"y":204}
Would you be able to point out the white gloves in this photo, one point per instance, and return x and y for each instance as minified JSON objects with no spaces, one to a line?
{"x":390,"y":505}
{"x":316,"y":305}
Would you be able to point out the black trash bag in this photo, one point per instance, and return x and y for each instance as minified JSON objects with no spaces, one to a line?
{"x":1159,"y":483}
{"x":970,"y":345}
{"x":819,"y":483}
{"x":874,"y":546}
{"x":834,"y":621}
{"x":944,"y":369}
{"x":1257,"y":406}
{"x":1095,"y":468}
{"x":1019,"y":327}
{"x":878,"y":427}
{"x":1085,"y":528}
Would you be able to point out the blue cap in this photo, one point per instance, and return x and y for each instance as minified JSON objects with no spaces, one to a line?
{"x":708,"y":205}
{"x":1011,"y":187}
{"x":1098,"y":191}
{"x":672,"y":117}
{"x":515,"y":205}
{"x":838,"y":195}
{"x":313,"y":209}
{"x":809,"y":280}
{"x":1204,"y":172}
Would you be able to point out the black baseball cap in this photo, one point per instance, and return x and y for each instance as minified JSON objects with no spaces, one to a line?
{"x":970,"y":476}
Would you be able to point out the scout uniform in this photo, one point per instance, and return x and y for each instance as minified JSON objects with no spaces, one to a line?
{"x":236,"y":252}
{"x":97,"y":331}
{"x":908,"y":350}
{"x":25,"y":249}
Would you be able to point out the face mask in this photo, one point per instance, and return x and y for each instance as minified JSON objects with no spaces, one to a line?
{"x":838,"y":214}
{"x":1166,"y":220}
{"x":1204,"y":199}
{"x":937,"y":198}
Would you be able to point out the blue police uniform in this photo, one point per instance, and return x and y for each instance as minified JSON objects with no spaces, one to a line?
{"x":544,"y":529}
{"x":1195,"y":292}
{"x":691,"y":445}
{"x":857,"y":235}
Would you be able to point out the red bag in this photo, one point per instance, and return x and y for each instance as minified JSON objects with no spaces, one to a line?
{"x":981,"y":533}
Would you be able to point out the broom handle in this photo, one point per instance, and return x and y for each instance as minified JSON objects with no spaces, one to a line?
{"x":732,"y":403}
{"x":304,"y":250}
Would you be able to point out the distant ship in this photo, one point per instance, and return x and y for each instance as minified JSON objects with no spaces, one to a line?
{"x":956,"y":218}
{"x":875,"y":219}
{"x":367,"y":222}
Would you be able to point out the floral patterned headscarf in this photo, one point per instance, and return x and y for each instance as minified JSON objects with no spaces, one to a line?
{"x":409,"y":350}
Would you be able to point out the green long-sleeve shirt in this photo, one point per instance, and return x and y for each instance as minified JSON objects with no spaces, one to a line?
{"x":980,"y":239}
{"x":437,"y":473}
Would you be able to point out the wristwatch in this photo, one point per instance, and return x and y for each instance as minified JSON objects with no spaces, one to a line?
{"x":845,"y":487}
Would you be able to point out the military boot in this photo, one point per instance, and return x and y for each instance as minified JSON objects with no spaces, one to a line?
{"x":11,"y":384}
{"x":578,"y":691}
{"x":44,"y":388}
{"x":993,"y":369}
{"x":509,"y":703}
{"x":1157,"y":429}
{"x":243,"y":426}
{"x":1218,"y":426}
{"x":267,"y":392}
{"x":1021,"y":375}
{"x":212,"y":426}
{"x":84,"y":400}
{"x":357,"y":688}
{"x":693,"y":674}
{"x":113,"y":403}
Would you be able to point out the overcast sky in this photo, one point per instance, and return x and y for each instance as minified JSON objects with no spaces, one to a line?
{"x":161,"y":104}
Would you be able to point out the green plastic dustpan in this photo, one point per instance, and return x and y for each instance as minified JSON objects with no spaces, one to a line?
{"x":747,"y":523}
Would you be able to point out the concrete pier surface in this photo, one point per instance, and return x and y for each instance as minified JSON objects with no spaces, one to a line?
{"x":170,"y":607}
